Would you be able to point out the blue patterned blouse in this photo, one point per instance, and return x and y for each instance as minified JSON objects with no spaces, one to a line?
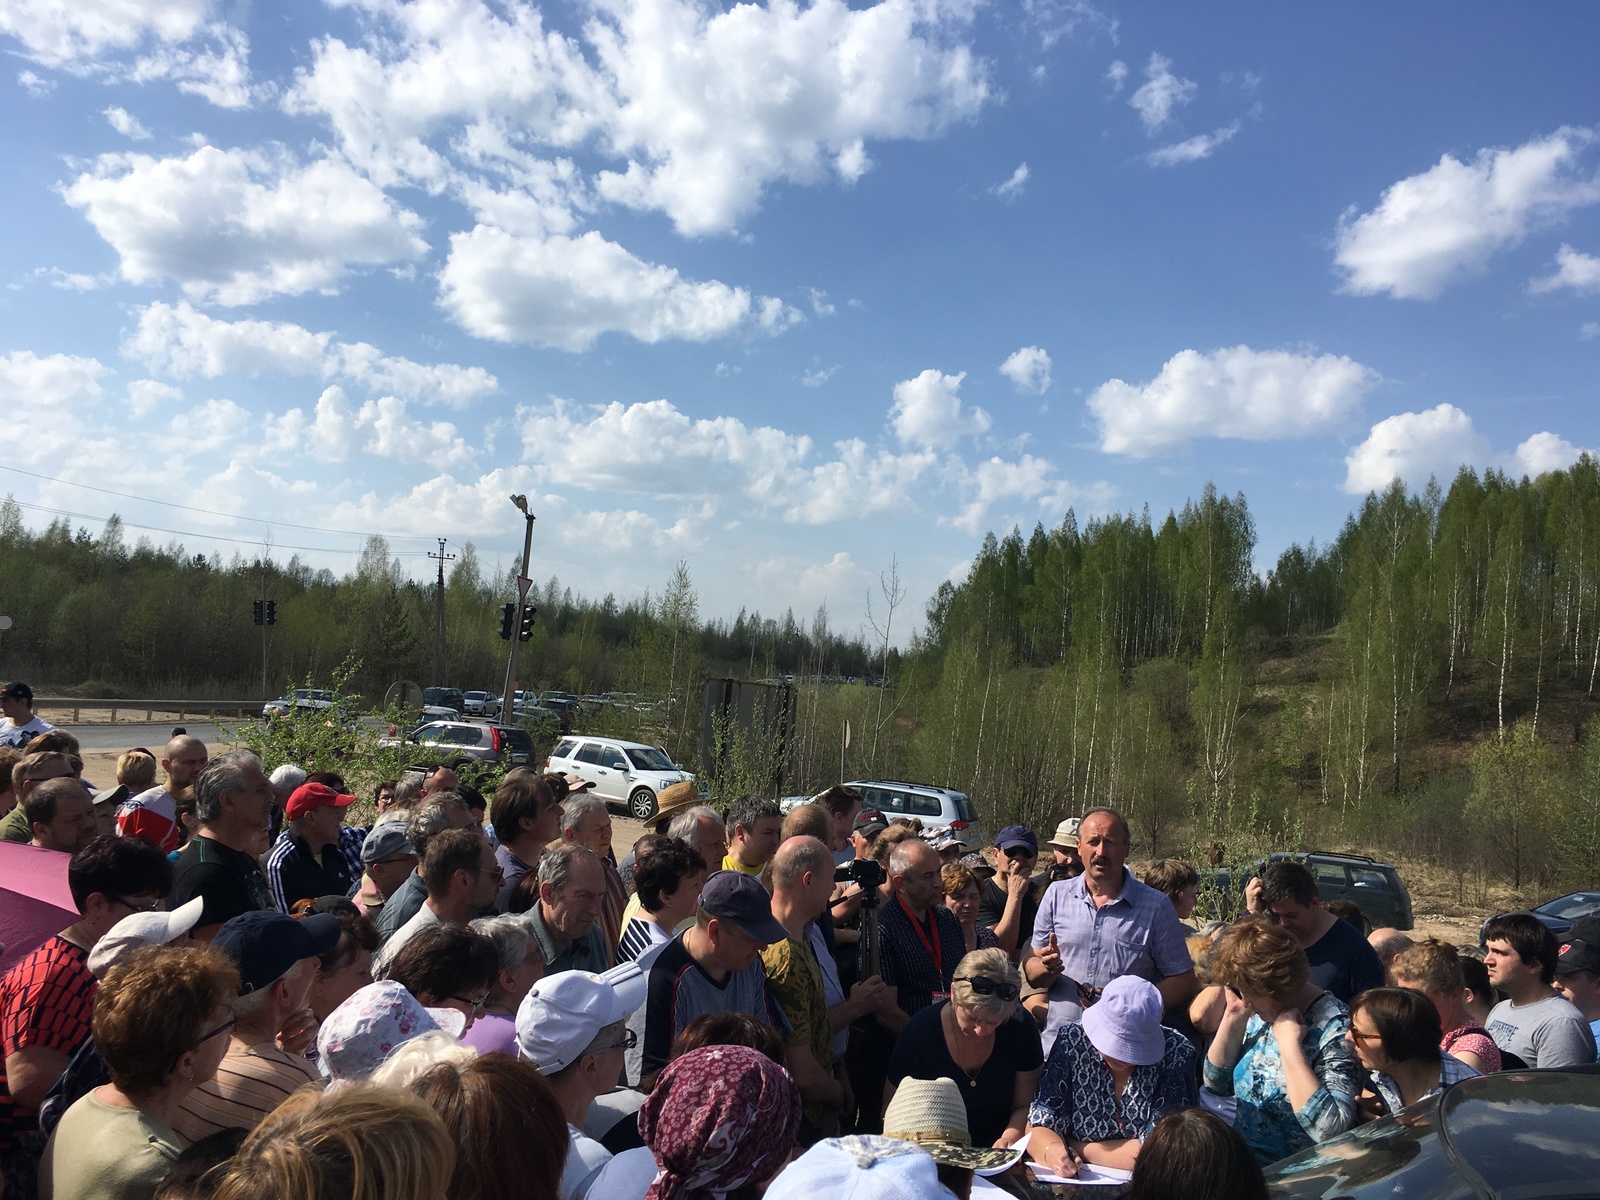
{"x":1078,"y":1100}
{"x":1265,"y":1120}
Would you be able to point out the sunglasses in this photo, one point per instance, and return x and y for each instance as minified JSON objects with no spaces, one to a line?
{"x":982,"y":985}
{"x":1018,"y":852}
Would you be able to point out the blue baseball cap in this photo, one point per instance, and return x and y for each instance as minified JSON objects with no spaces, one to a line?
{"x":265,"y":944}
{"x":1016,"y":835}
{"x":740,"y":898}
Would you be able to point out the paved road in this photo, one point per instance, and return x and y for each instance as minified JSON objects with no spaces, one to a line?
{"x":126,"y":736}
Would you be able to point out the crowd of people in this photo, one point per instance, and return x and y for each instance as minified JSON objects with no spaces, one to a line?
{"x":473,"y":997}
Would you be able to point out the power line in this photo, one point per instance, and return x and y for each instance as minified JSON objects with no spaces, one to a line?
{"x":412,"y":537}
{"x":216,"y":537}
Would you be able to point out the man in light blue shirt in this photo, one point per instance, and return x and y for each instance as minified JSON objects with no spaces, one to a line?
{"x":1104,"y":924}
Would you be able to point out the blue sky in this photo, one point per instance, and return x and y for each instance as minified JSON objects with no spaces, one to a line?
{"x":784,"y":291}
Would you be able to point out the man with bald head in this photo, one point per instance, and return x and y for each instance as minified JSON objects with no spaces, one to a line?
{"x":61,"y":815}
{"x":152,"y":815}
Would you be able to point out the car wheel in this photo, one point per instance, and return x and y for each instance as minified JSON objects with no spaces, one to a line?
{"x":642,"y":804}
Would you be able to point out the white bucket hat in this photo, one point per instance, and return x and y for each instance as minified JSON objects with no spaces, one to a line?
{"x":1125,"y":1023}
{"x":860,"y":1167}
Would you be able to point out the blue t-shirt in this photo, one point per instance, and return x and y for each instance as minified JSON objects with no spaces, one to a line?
{"x":1343,"y":963}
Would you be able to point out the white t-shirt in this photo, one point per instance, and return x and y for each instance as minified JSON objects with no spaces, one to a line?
{"x":585,"y":1159}
{"x":18,"y":736}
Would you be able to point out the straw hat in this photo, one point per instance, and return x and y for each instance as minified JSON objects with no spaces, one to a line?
{"x":931,"y":1114}
{"x":678,"y":798}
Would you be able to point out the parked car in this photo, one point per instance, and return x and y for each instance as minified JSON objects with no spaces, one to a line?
{"x":456,"y":742}
{"x":480,"y":704}
{"x":303,"y":699}
{"x":1375,"y":887}
{"x":443,"y":697}
{"x":628,"y":773}
{"x":935,"y":807}
{"x":1513,"y":1134}
{"x":1563,"y":912}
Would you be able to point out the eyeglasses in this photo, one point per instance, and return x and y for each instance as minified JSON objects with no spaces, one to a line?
{"x":1018,"y":852}
{"x":475,"y":1005}
{"x":499,"y":873}
{"x":629,"y":1040}
{"x":984,"y":986}
{"x":153,"y":906}
{"x":225,"y":1027}
{"x":1357,"y":1036}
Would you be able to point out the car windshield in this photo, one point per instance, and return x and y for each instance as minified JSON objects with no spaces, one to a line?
{"x":648,"y":758}
{"x":1576,"y":905}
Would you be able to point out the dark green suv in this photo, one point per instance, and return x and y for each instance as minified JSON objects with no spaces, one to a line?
{"x":1375,"y":887}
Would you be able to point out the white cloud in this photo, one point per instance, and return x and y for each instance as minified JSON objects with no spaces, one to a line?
{"x":236,"y":226}
{"x":1117,"y":75}
{"x":1056,"y":19}
{"x":1437,"y":443}
{"x":858,"y":484}
{"x":1192,"y":150}
{"x":29,"y":383}
{"x":927,"y":411}
{"x":1589,"y":330}
{"x":147,"y":395}
{"x":1545,"y":452}
{"x":1029,"y":370}
{"x":1032,"y":480}
{"x":166,"y":39}
{"x":1161,"y":93}
{"x":703,"y":109}
{"x":1237,"y":392}
{"x":819,"y":303}
{"x":335,"y":433}
{"x":1011,"y":188}
{"x":125,"y":123}
{"x":565,"y":292}
{"x":183,"y":342}
{"x":816,"y":378}
{"x":1574,"y":269}
{"x":1436,"y":228}
{"x":35,"y":85}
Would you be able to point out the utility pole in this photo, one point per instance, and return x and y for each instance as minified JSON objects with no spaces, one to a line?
{"x":508,"y":699}
{"x":439,"y":663}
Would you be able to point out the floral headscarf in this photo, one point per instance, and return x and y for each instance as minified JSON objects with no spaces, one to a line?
{"x":720,"y":1117}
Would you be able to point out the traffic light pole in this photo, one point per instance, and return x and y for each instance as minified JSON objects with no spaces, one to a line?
{"x":508,"y":699}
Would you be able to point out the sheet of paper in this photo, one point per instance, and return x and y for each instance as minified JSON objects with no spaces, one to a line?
{"x":1088,"y":1176}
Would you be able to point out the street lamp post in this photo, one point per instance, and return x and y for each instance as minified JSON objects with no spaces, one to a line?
{"x":508,"y":696}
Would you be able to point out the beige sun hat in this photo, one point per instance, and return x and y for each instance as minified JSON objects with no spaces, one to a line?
{"x":1066,"y":834}
{"x":930,"y":1113}
{"x":680,"y":797}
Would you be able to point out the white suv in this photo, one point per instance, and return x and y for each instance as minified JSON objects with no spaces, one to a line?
{"x":627,"y":773}
{"x":935,"y":807}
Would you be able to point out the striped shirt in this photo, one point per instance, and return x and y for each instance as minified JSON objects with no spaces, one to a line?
{"x":639,"y":936}
{"x":251,"y":1082}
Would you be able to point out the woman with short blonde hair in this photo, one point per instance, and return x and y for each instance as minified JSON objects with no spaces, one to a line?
{"x":1281,"y":1049}
{"x":363,"y":1143}
{"x":980,"y":1039}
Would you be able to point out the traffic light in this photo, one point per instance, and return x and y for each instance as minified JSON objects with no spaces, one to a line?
{"x":508,"y":620}
{"x":525,"y":630}
{"x":272,"y":612}
{"x":260,"y":611}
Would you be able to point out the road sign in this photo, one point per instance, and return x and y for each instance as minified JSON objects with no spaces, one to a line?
{"x":523,"y":584}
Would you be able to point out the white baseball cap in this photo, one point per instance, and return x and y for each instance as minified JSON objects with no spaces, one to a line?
{"x":562,"y":1014}
{"x":140,"y":930}
{"x":859,"y":1167}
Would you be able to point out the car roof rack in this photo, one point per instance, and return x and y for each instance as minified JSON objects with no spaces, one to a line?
{"x":1343,"y":854}
{"x":932,"y":787}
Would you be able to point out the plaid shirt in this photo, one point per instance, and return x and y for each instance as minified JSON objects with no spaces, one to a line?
{"x":918,"y":964}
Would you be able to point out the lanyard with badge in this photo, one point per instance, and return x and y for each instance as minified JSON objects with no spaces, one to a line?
{"x":934,"y":946}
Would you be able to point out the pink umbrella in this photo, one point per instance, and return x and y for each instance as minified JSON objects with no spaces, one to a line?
{"x":35,"y":902}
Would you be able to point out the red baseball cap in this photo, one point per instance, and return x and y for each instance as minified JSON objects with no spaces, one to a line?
{"x":310,"y":796}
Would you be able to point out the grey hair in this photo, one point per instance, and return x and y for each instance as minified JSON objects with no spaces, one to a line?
{"x":557,"y":863}
{"x":577,"y":809}
{"x":992,"y":963}
{"x":797,"y":856}
{"x":511,"y":937}
{"x":223,"y":774}
{"x":432,"y":819}
{"x":408,"y":790}
{"x":744,"y":812}
{"x":287,"y":777}
{"x":1127,"y":831}
{"x":607,"y":1034}
{"x":900,"y":858}
{"x":686,"y":825}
